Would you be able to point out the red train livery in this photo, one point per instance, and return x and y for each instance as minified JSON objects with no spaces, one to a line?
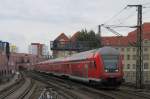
{"x":101,"y":66}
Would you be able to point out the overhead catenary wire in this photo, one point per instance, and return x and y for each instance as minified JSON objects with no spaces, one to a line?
{"x":119,"y":26}
{"x":145,"y":12}
{"x":147,"y":3}
{"x":111,"y":27}
{"x":116,"y":15}
{"x":122,"y":22}
{"x":126,"y":18}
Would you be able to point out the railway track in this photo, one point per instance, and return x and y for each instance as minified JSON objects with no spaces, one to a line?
{"x":97,"y":93}
{"x":12,"y":92}
{"x":63,"y":92}
{"x":71,"y":90}
{"x":22,"y":96}
{"x":5,"y":93}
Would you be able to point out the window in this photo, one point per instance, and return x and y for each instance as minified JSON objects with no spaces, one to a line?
{"x":110,"y":61}
{"x":134,"y":49}
{"x":128,"y":49}
{"x":134,"y":67}
{"x":146,"y":41}
{"x":134,"y":57}
{"x":128,"y":66}
{"x":123,"y":57}
{"x":0,"y":73}
{"x":128,"y":57}
{"x":145,"y":49}
{"x":145,"y":65}
{"x":122,"y":49}
{"x":146,"y":57}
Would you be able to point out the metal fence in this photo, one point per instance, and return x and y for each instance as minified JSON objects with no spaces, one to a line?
{"x":130,"y":76}
{"x":71,"y":46}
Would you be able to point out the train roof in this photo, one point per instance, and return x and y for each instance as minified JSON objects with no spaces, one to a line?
{"x":82,"y":55}
{"x":108,"y":50}
{"x":91,"y":53}
{"x":85,"y":55}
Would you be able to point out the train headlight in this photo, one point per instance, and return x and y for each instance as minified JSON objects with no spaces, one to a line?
{"x":116,"y":70}
{"x":106,"y":70}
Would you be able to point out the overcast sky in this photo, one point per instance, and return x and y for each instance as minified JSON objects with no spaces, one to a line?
{"x":26,"y":21}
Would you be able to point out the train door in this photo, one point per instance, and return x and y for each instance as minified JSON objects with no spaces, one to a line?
{"x":92,"y":69}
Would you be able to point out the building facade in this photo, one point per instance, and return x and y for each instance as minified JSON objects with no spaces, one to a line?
{"x":129,"y":62}
{"x":41,"y":50}
{"x":62,"y":38}
{"x":4,"y":68}
{"x":13,"y":48}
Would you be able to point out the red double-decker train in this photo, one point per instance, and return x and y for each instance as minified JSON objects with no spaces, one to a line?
{"x":101,"y":66}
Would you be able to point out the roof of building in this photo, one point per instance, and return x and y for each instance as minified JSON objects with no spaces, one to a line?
{"x":115,"y":41}
{"x":74,"y":37}
{"x":62,"y":36}
{"x":127,"y":40}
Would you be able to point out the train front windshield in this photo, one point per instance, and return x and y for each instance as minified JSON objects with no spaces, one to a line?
{"x":110,"y":63}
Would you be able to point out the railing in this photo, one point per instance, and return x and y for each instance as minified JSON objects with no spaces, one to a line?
{"x":72,"y":46}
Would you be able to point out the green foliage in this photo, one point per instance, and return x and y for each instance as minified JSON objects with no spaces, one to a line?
{"x":90,"y":39}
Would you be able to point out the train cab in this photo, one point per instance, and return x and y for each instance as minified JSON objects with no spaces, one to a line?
{"x":112,"y":67}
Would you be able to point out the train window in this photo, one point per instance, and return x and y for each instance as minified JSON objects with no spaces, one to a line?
{"x":110,"y":61}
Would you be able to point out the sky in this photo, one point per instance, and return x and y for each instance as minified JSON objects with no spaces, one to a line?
{"x":26,"y":21}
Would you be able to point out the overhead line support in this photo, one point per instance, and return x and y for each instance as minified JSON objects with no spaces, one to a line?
{"x":139,"y":45}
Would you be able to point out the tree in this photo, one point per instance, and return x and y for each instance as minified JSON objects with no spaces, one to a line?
{"x":88,"y":39}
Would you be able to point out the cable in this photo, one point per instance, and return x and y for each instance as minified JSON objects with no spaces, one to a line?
{"x":116,"y":15}
{"x":125,"y":19}
{"x":146,"y":3}
{"x":145,"y":11}
{"x":119,"y":26}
